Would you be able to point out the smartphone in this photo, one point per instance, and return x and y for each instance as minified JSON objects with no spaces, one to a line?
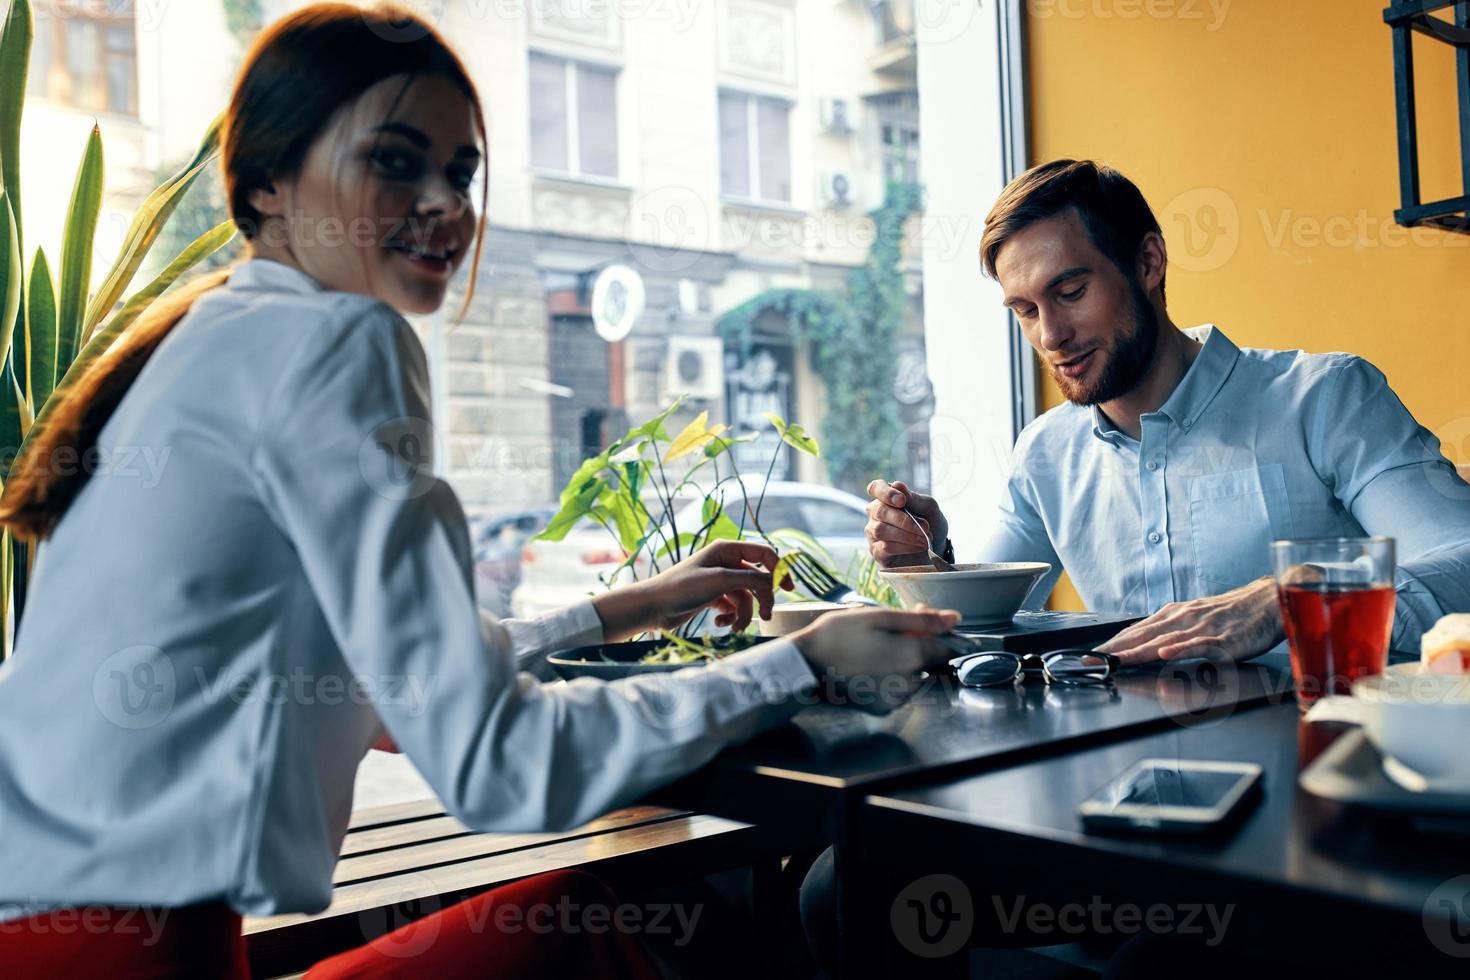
{"x":1173,"y":796}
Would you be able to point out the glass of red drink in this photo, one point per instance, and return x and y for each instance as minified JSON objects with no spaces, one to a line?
{"x":1337,"y":604}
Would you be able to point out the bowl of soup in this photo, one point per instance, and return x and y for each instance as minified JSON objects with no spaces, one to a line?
{"x":984,"y":594}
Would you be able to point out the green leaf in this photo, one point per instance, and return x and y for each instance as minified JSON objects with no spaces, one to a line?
{"x":199,"y":249}
{"x":634,"y":473}
{"x":12,"y":425}
{"x":41,"y":332}
{"x":584,"y":476}
{"x":12,"y":273}
{"x":721,"y":528}
{"x":15,"y":53}
{"x":148,"y":222}
{"x":76,"y":251}
{"x":684,"y":542}
{"x":653,"y":428}
{"x":794,"y":435}
{"x":616,"y":504}
{"x":721,"y":444}
{"x":573,"y":509}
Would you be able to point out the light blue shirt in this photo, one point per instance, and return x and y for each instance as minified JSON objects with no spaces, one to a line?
{"x":1252,"y":446}
{"x":260,"y":575}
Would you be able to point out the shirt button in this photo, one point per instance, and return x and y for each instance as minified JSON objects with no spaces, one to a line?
{"x":1155,"y":537}
{"x":1188,"y":423}
{"x":1153,"y":464}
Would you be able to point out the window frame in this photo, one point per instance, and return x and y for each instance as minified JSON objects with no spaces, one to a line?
{"x":60,"y":86}
{"x":571,"y":108}
{"x":752,"y":101}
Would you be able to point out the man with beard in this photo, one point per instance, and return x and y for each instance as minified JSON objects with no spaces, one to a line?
{"x":1179,"y":456}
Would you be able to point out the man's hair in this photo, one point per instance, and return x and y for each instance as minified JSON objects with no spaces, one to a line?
{"x":1110,"y":205}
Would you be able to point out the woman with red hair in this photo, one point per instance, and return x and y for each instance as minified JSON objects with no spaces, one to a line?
{"x":208,"y":653}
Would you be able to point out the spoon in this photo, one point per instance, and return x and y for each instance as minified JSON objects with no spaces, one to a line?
{"x":940,"y":565}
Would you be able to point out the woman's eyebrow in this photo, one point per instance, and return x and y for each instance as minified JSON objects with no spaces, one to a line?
{"x":414,"y":136}
{"x":421,"y":140}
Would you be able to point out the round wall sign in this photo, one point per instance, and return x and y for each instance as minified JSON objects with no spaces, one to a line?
{"x":617,"y":302}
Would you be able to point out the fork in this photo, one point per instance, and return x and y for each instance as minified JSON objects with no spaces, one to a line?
{"x":822,"y":583}
{"x":828,"y":588}
{"x":940,"y":565}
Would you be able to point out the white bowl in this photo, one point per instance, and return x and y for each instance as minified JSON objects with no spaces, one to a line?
{"x":1421,"y":723}
{"x":985,"y":594}
{"x":788,"y":617}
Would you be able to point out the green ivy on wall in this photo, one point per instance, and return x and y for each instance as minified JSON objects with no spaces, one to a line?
{"x":244,"y":18}
{"x":852,"y":336}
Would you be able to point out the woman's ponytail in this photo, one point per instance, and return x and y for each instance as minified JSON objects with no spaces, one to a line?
{"x":49,"y":472}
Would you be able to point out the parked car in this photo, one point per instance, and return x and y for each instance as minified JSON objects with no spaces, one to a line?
{"x":554,"y":573}
{"x":497,"y":540}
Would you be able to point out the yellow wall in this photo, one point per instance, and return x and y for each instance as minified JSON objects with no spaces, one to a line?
{"x":1262,"y":133}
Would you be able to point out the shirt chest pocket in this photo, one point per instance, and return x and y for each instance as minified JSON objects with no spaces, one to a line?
{"x":1233,"y":519}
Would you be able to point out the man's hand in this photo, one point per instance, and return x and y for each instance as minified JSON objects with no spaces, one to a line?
{"x":891,"y":533}
{"x":732,"y":576}
{"x":1235,"y":625}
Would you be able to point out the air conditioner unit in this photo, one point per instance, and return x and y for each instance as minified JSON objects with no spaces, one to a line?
{"x":835,"y":114}
{"x":837,"y":189}
{"x":695,"y":367}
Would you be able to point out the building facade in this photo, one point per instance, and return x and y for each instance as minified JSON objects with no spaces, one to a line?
{"x":718,"y":148}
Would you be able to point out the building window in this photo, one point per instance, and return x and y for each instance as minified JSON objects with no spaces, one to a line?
{"x":901,"y":152}
{"x":755,"y":147}
{"x":895,"y":118}
{"x":574,"y":118}
{"x":88,"y":59}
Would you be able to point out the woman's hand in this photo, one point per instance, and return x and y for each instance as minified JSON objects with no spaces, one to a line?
{"x":733,"y":577}
{"x":872,"y":656}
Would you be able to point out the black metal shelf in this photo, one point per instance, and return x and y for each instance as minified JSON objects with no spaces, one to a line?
{"x":1406,"y":18}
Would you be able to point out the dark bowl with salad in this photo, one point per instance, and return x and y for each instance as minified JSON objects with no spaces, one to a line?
{"x":665,"y":653}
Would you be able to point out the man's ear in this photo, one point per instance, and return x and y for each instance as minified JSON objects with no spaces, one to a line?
{"x":268,"y":201}
{"x":1153,"y":261}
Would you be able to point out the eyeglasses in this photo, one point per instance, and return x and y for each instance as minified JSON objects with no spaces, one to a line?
{"x":1071,"y":667}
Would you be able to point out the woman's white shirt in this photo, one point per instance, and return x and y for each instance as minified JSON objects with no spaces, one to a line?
{"x":260,"y":574}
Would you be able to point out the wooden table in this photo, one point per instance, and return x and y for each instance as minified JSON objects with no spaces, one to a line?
{"x":409,"y":860}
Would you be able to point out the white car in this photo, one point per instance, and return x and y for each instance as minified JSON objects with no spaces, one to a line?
{"x":555,"y":573}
